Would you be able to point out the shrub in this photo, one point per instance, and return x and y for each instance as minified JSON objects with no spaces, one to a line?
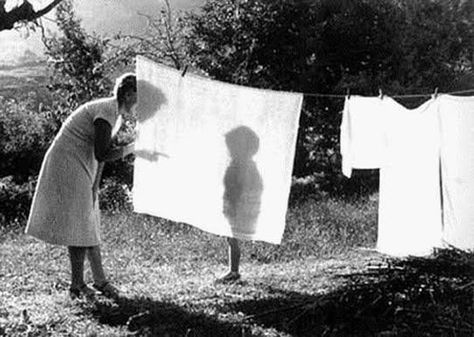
{"x":15,"y":200}
{"x":77,"y":63}
{"x":25,"y":133}
{"x":114,"y":196}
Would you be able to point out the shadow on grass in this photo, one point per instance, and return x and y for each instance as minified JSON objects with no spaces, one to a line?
{"x":413,"y":297}
{"x":146,"y":317}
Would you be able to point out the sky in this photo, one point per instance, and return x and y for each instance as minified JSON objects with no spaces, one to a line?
{"x":100,"y":16}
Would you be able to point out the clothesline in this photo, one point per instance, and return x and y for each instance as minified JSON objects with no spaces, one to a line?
{"x":184,"y":70}
{"x":393,"y":96}
{"x":337,"y":95}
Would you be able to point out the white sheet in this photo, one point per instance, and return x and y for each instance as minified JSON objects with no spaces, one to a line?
{"x":457,"y":160}
{"x":410,"y":198}
{"x":362,"y":139}
{"x":225,"y":153}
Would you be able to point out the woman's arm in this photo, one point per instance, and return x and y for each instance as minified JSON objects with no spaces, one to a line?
{"x":96,"y":185}
{"x":103,"y":149}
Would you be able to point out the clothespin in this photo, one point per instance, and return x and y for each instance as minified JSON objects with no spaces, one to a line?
{"x":184,"y":71}
{"x":435,"y":95}
{"x":348,"y":93}
{"x":380,"y":94}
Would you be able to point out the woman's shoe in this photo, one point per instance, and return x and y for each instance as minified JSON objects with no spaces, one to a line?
{"x":82,"y":291}
{"x":108,"y":290}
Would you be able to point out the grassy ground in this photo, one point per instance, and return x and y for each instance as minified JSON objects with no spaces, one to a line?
{"x":318,"y":282}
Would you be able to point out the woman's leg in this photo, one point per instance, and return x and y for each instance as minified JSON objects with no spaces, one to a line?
{"x":100,"y":281}
{"x":76,"y":256}
{"x":95,"y":260}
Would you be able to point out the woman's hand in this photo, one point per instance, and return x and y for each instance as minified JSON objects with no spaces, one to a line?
{"x":150,"y":155}
{"x":128,"y":149}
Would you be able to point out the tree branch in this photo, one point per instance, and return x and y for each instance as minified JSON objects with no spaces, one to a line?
{"x":24,"y":12}
{"x":47,"y":9}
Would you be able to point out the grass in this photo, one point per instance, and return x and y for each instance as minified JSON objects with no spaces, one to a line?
{"x":310,"y":285}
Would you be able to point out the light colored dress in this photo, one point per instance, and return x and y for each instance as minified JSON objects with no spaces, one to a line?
{"x":63,"y":211}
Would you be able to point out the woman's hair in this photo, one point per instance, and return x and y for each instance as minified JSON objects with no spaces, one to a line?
{"x":125,"y":83}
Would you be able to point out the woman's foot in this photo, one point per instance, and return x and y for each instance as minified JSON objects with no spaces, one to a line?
{"x":108,"y":290}
{"x":230,"y":277}
{"x":81,"y":291}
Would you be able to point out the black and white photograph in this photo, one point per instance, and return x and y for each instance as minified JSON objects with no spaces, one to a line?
{"x":237,"y":168}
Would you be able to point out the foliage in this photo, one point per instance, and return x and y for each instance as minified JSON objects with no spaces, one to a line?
{"x":437,"y":45}
{"x":15,"y":200}
{"x":162,"y":41}
{"x":256,"y":43}
{"x":25,"y":134}
{"x":328,"y":46}
{"x":114,"y":196}
{"x":77,"y":63}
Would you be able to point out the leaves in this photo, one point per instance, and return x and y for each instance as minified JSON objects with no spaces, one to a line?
{"x":327,"y":46}
{"x":77,"y":62}
{"x":24,"y":137}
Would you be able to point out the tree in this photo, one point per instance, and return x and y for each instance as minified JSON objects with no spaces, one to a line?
{"x":77,"y":63}
{"x":328,"y":46}
{"x":14,"y":12}
{"x":162,"y":41}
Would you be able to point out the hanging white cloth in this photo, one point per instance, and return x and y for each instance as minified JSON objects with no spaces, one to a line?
{"x":409,"y":221}
{"x":362,"y":134}
{"x":214,"y":155}
{"x":457,"y":160}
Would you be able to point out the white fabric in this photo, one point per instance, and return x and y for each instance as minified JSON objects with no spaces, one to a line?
{"x":410,"y":199}
{"x":457,"y":160}
{"x":225,"y":153}
{"x":362,"y":134}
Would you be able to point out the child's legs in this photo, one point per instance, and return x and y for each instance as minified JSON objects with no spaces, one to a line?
{"x":234,"y":254}
{"x":95,"y":260}
{"x":77,"y":256}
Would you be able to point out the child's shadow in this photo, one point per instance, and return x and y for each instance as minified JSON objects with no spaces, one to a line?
{"x":243,"y":184}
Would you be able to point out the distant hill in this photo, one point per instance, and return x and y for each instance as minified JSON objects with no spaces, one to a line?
{"x":27,"y":58}
{"x":15,"y":81}
{"x":14,"y":68}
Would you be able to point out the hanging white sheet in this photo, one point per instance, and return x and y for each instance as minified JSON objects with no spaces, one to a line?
{"x":214,"y":155}
{"x":457,"y":160}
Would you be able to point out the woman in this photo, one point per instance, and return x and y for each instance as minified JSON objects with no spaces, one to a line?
{"x":65,"y":209}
